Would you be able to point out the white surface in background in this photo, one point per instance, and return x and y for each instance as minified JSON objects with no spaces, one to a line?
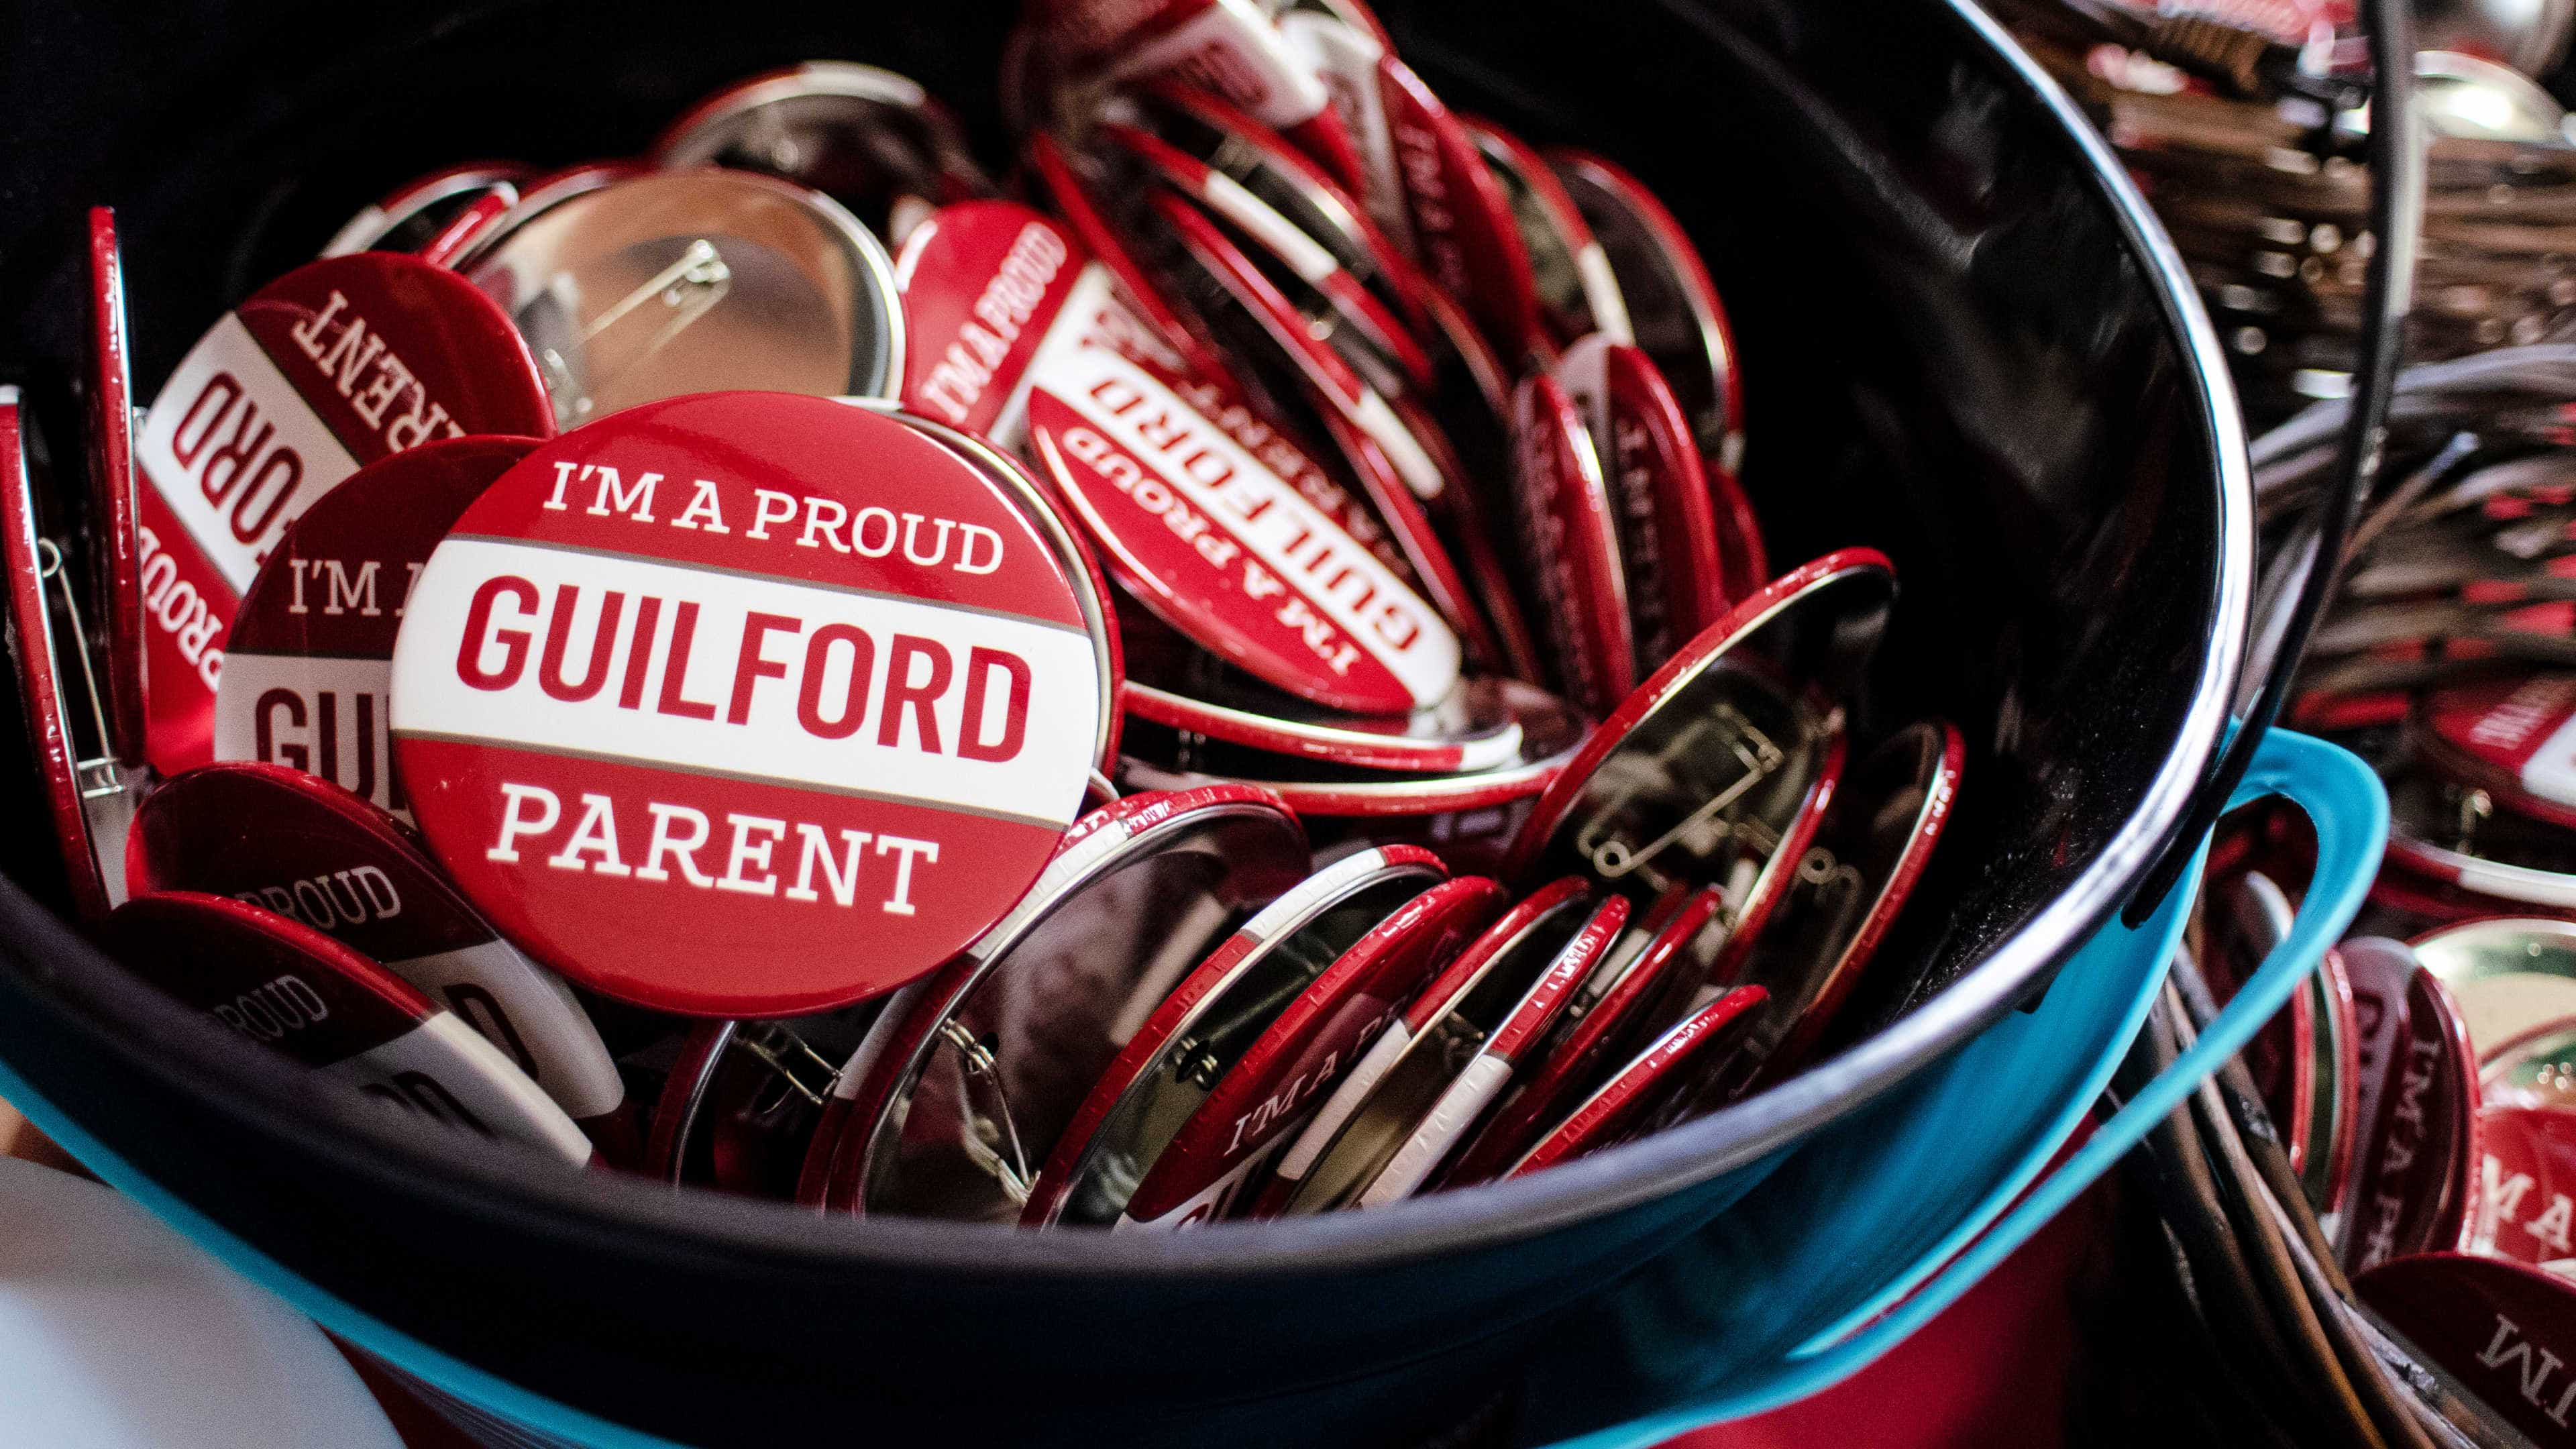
{"x":116,"y":1333}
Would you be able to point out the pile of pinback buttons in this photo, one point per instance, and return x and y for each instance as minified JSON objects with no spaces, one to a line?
{"x":1231,"y":676}
{"x":2423,"y":1081}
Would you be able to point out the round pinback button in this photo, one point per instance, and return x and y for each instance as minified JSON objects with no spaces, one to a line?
{"x":1154,"y":756}
{"x":1200,"y":1031}
{"x":2504,"y":1331}
{"x":1701,"y":774}
{"x":86,"y":799}
{"x":1192,"y":522}
{"x":870,"y":139}
{"x":1457,"y":216}
{"x":1673,"y":307}
{"x":316,"y":854}
{"x":116,"y":562}
{"x":2514,"y":737}
{"x":298,"y":992}
{"x":1570,"y":546}
{"x":2328,"y":1170}
{"x":2507,"y":976}
{"x":2413,"y":1189}
{"x":1221,"y":1151}
{"x":1578,"y":295}
{"x":2526,"y":1207}
{"x":1658,"y":494}
{"x":740,"y":1107}
{"x":426,"y":210}
{"x":1644,"y":986}
{"x":972,"y":1075}
{"x":1508,"y":1047}
{"x":1690,"y":1071}
{"x":1534,"y":953}
{"x":746,"y":704}
{"x":1868,"y":853}
{"x":308,"y":664}
{"x":336,"y":364}
{"x":695,"y":281}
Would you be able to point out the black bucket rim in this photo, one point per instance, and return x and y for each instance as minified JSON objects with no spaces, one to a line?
{"x":478,"y":1181}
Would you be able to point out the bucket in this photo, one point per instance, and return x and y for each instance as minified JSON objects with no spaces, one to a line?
{"x":1967,"y":345}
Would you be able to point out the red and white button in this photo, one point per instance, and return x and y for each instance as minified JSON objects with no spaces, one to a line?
{"x":296,"y":991}
{"x":316,"y":854}
{"x":2515,"y":737}
{"x":334,"y":365}
{"x":1689,"y":1071}
{"x":116,"y":562}
{"x":970,"y":1076}
{"x":1199,"y":1032}
{"x":747,"y":703}
{"x":308,"y":666}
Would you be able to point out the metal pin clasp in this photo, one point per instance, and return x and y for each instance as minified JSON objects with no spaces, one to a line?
{"x":1753,"y":749}
{"x":686,"y":290}
{"x":792,"y":1060}
{"x":99,"y":775}
{"x":986,"y":1135}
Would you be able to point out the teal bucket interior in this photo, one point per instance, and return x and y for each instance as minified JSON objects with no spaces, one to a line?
{"x":1880,"y":1221}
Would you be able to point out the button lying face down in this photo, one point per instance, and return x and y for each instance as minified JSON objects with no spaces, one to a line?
{"x":692,"y":281}
{"x":116,"y":561}
{"x":332,"y":366}
{"x":1673,"y":308}
{"x":870,"y":139}
{"x":2509,"y":977}
{"x":1708,"y":772}
{"x":1198,"y":1033}
{"x":316,"y":854}
{"x":2413,"y":1192}
{"x":423,"y":216}
{"x":970,"y":1077}
{"x":1690,"y":1071}
{"x":1156,"y":757}
{"x":308,"y":666}
{"x":1642,"y":988}
{"x":87,"y":799}
{"x":1869,"y":852}
{"x":2469,"y":863}
{"x":1230,"y":47}
{"x":1577,"y":293}
{"x":1532,"y":956}
{"x":288,"y":987}
{"x":2515,"y":738}
{"x":1319,"y":208}
{"x":1570,"y":545}
{"x":1658,"y":495}
{"x":746,"y":703}
{"x":1227,"y":1143}
{"x":2504,"y":1331}
{"x":741,"y":1105}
